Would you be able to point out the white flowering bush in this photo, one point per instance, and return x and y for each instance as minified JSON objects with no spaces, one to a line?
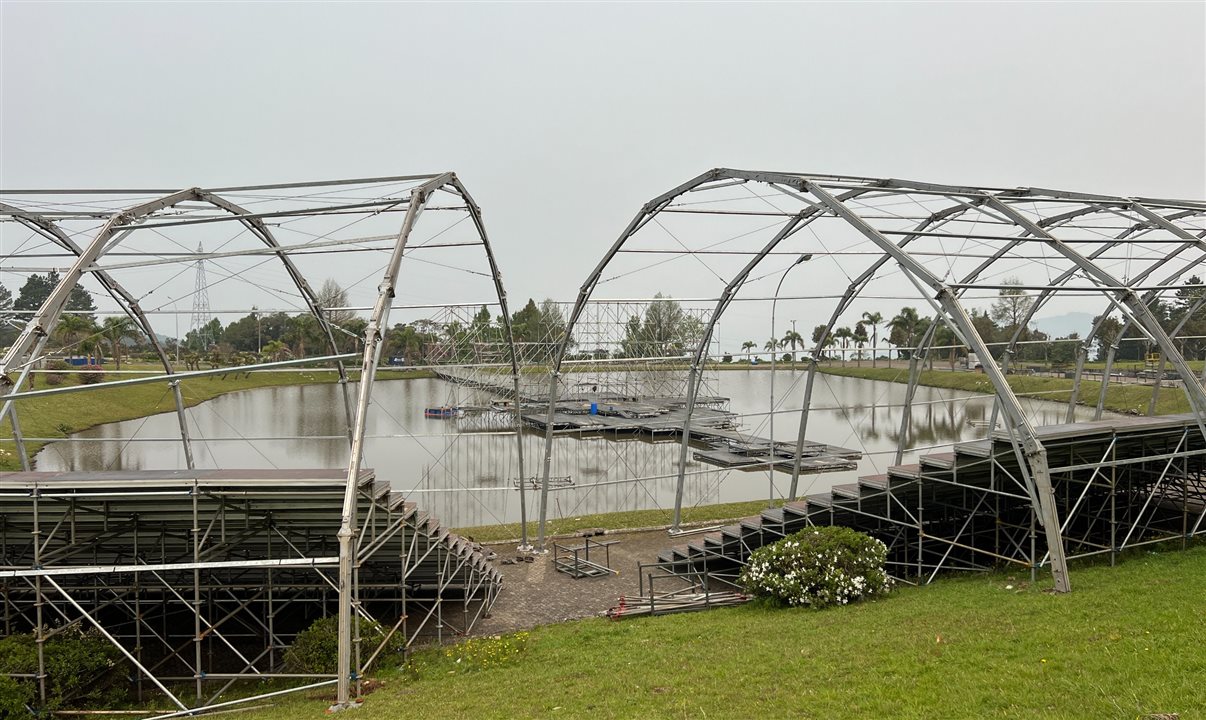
{"x":818,"y":567}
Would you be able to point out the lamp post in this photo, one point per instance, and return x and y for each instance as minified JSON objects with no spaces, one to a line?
{"x":774,"y":304}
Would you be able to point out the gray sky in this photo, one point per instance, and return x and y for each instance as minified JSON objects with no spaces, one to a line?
{"x":563,"y":119}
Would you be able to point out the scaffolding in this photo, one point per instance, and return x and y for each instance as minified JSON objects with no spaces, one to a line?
{"x":734,"y":234}
{"x":201,"y":577}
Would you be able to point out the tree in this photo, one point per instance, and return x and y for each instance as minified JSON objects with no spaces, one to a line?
{"x":1107,"y":334}
{"x":904,"y":331}
{"x":73,"y":332}
{"x":37,"y":289}
{"x":115,"y":329}
{"x":303,"y":330}
{"x":860,"y":339}
{"x":874,"y":319}
{"x":664,"y":330}
{"x":1064,"y":353}
{"x":771,"y":346}
{"x":792,"y":339}
{"x":945,"y":338}
{"x":205,"y":337}
{"x":275,"y":351}
{"x":747,"y":346}
{"x":331,"y":295}
{"x":1012,"y":305}
{"x":7,"y":319}
{"x":843,"y":334}
{"x":818,"y":333}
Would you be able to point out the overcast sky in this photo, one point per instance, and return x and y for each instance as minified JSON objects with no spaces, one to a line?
{"x":562,"y":119}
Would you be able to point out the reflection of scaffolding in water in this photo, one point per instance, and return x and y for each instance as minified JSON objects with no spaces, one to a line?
{"x":473,"y":484}
{"x":628,"y":349}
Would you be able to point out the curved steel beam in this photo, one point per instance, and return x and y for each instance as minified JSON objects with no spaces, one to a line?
{"x":1134,"y":305}
{"x":854,"y":290}
{"x":646,"y":213}
{"x":1039,"y":478}
{"x":259,"y":229}
{"x":374,"y":336}
{"x":475,"y":213}
{"x":43,"y":321}
{"x":126,"y":301}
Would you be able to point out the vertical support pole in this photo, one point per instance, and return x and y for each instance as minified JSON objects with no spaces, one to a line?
{"x":137,"y":587}
{"x":802,"y":432}
{"x":1105,"y":379}
{"x":523,"y":480}
{"x":40,"y":630}
{"x":271,"y":605}
{"x":685,"y":446}
{"x":18,"y":438}
{"x":554,"y":377}
{"x":1151,"y":405}
{"x":196,"y":538}
{"x":1114,"y":506}
{"x":1081,"y":355}
{"x":373,"y":336}
{"x":906,"y":412}
{"x":185,"y":439}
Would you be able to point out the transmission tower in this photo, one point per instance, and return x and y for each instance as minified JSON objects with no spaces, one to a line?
{"x":201,"y":316}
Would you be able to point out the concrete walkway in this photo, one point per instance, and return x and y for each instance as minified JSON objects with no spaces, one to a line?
{"x":536,"y":593}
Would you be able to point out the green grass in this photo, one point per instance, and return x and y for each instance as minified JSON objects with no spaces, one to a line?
{"x":61,"y":415}
{"x":1125,"y":643}
{"x":620,"y":520}
{"x":1130,"y":398}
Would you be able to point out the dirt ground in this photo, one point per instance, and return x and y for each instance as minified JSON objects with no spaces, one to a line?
{"x":536,"y":593}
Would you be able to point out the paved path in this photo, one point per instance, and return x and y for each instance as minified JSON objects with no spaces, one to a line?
{"x":536,"y":594}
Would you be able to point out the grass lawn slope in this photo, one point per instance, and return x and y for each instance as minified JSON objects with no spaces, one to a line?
{"x":1131,"y":399}
{"x":1126,"y":643}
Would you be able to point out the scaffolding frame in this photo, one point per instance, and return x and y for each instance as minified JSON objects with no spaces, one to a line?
{"x":351,"y":545}
{"x":1072,"y":233}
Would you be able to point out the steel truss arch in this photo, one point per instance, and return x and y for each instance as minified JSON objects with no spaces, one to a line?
{"x":832,"y":196}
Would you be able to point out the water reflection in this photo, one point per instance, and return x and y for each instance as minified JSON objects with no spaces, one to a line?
{"x":466,"y":471}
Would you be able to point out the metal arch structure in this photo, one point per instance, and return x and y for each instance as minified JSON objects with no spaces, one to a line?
{"x":29,"y":343}
{"x":369,"y":526}
{"x":1157,"y":234}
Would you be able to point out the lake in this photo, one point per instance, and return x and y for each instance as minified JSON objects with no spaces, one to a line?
{"x":466,"y":473}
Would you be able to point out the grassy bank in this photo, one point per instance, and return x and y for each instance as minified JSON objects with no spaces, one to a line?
{"x":1130,"y":398}
{"x":1124,"y":644}
{"x":60,"y":415}
{"x":718,"y":514}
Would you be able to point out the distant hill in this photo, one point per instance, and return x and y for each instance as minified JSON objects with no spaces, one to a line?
{"x":1064,"y":325}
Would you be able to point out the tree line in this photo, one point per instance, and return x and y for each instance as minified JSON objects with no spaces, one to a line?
{"x":1181,"y":316}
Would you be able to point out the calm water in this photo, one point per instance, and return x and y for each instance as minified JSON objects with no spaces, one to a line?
{"x":466,"y":474}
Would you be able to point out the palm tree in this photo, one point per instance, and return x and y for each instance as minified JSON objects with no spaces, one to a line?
{"x":71,"y":328}
{"x":770,"y":346}
{"x":116,"y":329}
{"x":275,"y":351}
{"x":860,"y":339}
{"x":844,"y":334}
{"x":874,"y":319}
{"x":747,"y":346}
{"x":792,"y":338}
{"x":904,"y":329}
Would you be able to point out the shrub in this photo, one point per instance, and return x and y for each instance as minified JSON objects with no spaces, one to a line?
{"x":487,"y":652}
{"x":55,"y":374}
{"x":83,"y":670}
{"x":91,"y":374}
{"x":818,"y":567}
{"x":316,"y":649}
